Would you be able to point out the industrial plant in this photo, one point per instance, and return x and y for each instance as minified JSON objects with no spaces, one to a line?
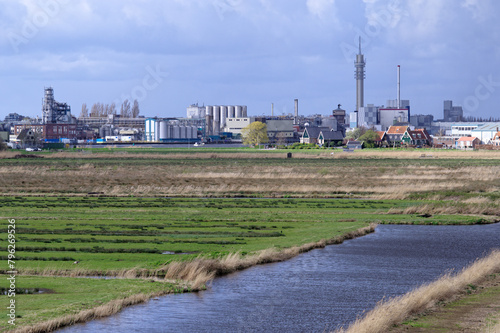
{"x":57,"y":127}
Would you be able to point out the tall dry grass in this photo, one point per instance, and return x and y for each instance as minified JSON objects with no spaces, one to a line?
{"x":104,"y":310}
{"x":388,"y":313}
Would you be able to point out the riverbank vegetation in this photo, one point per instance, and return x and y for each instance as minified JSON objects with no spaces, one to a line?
{"x":388,"y":313}
{"x":168,"y":215}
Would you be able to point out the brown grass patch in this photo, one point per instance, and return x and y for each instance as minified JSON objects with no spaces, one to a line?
{"x":394,"y":311}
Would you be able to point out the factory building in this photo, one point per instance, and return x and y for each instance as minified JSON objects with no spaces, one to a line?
{"x":216,"y":116}
{"x":54,"y":112}
{"x":452,"y":113}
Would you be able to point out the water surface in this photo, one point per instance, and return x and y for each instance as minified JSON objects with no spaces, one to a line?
{"x":316,"y":291}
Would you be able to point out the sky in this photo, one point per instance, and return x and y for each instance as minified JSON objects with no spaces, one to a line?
{"x":169,"y":54}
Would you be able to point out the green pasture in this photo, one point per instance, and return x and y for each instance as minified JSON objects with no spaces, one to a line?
{"x":108,"y":233}
{"x":48,"y":298}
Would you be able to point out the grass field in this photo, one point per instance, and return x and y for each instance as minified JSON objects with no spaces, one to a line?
{"x":129,"y":213}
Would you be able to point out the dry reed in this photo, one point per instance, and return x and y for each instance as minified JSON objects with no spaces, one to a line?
{"x":388,"y":313}
{"x":104,"y":310}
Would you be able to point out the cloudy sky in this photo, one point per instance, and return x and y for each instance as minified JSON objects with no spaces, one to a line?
{"x":172,"y":53}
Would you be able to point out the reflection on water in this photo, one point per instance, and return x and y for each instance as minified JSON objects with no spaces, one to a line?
{"x":316,"y":291}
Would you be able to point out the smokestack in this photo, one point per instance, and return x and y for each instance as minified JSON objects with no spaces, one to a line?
{"x":399,"y":87}
{"x":296,"y":111}
{"x":272,"y":109}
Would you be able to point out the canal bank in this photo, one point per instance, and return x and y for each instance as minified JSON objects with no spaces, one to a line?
{"x":317,"y":291}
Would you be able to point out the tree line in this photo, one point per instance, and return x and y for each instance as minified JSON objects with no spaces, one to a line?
{"x":127,"y":110}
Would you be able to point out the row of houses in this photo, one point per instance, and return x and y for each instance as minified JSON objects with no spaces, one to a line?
{"x":394,"y":135}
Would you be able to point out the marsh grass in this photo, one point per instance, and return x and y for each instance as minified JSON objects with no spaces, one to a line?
{"x":390,"y":312}
{"x":105,"y":310}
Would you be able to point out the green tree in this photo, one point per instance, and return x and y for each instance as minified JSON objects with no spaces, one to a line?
{"x":355,"y":133}
{"x":255,"y":133}
{"x":370,"y":137}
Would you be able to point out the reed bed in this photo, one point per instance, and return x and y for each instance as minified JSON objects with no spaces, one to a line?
{"x":388,"y":313}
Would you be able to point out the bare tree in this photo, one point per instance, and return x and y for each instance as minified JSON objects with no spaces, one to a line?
{"x":135,"y":109}
{"x":112,"y":108}
{"x":125,"y":109}
{"x":94,"y":111}
{"x":85,"y":111}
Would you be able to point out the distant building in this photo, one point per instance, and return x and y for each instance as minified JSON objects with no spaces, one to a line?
{"x":368,"y":116}
{"x":13,"y":118}
{"x":459,"y":130}
{"x":417,"y":137}
{"x":467,"y":142}
{"x":389,"y":117}
{"x":339,"y":114}
{"x":420,"y":120}
{"x":486,"y":132}
{"x":280,"y":130}
{"x":54,"y":112}
{"x":195,"y":111}
{"x":452,"y":113}
{"x":395,"y":134}
{"x":320,"y":135}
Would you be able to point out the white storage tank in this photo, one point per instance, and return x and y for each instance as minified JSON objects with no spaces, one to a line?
{"x":209,"y":111}
{"x":245,"y":111}
{"x":176,"y":132}
{"x":223,"y":115}
{"x":230,"y":111}
{"x":163,"y":130}
{"x":239,"y":111}
{"x":182,"y":130}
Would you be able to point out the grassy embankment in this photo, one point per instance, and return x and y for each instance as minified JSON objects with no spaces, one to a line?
{"x":126,"y":236}
{"x":390,"y":312}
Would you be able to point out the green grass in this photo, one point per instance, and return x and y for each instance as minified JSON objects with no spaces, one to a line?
{"x":64,"y":296}
{"x":109,"y":234}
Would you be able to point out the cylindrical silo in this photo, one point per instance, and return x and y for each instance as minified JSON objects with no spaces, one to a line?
{"x":157,"y":131}
{"x":182,"y":132}
{"x":244,"y":111}
{"x":163,"y":130}
{"x":194,"y":132}
{"x":230,"y":111}
{"x":216,"y":110}
{"x":208,"y":125}
{"x":223,"y":116}
{"x":169,"y":131}
{"x":239,"y":111}
{"x":209,"y":111}
{"x":176,"y":134}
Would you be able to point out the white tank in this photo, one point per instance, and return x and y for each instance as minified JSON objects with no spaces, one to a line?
{"x":194,"y":132}
{"x":230,"y":111}
{"x":223,"y":116}
{"x":163,"y":130}
{"x":182,"y":132}
{"x":176,"y":132}
{"x":157,"y":131}
{"x":216,"y":129}
{"x":245,"y":111}
{"x":216,"y":113}
{"x":239,"y":111}
{"x":209,"y":111}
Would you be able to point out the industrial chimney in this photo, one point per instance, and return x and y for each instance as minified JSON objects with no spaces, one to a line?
{"x":296,"y":119}
{"x":399,"y":88}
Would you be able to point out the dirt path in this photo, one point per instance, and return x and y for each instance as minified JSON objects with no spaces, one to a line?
{"x":476,"y":310}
